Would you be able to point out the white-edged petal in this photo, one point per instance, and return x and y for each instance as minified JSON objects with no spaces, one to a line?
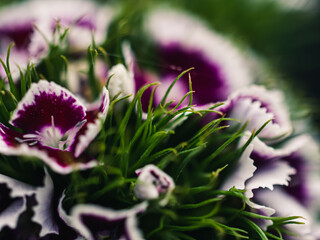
{"x":43,"y":212}
{"x":275,"y":173}
{"x":285,"y":206}
{"x":76,"y":220}
{"x":244,"y":171}
{"x":168,"y":26}
{"x":26,"y":150}
{"x":93,"y":128}
{"x":267,"y":152}
{"x":9,"y":216}
{"x":18,"y":189}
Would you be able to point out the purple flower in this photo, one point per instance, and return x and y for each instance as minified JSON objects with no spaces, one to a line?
{"x":182,"y":42}
{"x":56,"y":127}
{"x":152,"y":182}
{"x":285,"y":182}
{"x":94,"y":222}
{"x":279,"y":170}
{"x":16,"y":25}
{"x":82,"y":17}
{"x":301,"y":196}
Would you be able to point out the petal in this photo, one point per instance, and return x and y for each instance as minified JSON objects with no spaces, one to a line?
{"x":306,"y":160}
{"x":152,"y":182}
{"x":43,"y":211}
{"x":82,"y":17}
{"x":9,"y":216}
{"x":286,"y":206}
{"x":121,"y":81}
{"x":12,"y":200}
{"x":96,"y":114}
{"x":44,"y":101}
{"x":176,"y":93}
{"x":258,"y":105}
{"x":92,"y":220}
{"x":18,"y":189}
{"x":60,"y":161}
{"x":184,"y":42}
{"x":245,"y":170}
{"x":16,"y":25}
{"x":262,"y":151}
{"x":275,"y":173}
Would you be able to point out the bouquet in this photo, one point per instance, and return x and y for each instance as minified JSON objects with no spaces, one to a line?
{"x":138,"y":121}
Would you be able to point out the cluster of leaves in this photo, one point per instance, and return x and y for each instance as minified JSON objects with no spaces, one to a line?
{"x":179,"y":140}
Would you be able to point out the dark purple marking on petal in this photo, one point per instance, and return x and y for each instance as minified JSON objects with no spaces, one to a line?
{"x":49,"y":101}
{"x":19,"y":34}
{"x":63,"y":159}
{"x":102,"y":226}
{"x":8,"y":136}
{"x":297,"y":186}
{"x":207,"y":80}
{"x":93,"y":221}
{"x":141,"y":79}
{"x":85,"y":22}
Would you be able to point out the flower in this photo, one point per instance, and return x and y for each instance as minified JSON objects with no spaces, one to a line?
{"x":56,"y":127}
{"x":300,"y":196}
{"x":94,"y":222}
{"x":152,"y":182}
{"x":182,"y":42}
{"x":261,"y":165}
{"x":31,"y":26}
{"x":16,"y":25}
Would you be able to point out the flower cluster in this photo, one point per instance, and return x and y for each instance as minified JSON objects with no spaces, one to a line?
{"x":102,"y":137}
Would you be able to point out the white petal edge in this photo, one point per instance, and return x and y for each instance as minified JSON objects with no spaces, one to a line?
{"x":267,"y":152}
{"x":276,"y":173}
{"x":285,"y":206}
{"x":245,"y":170}
{"x":25,"y":150}
{"x":18,"y":189}
{"x":43,"y":210}
{"x":75,"y":222}
{"x":9,"y":217}
{"x":94,"y":127}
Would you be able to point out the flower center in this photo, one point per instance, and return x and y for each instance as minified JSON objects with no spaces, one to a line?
{"x":51,"y":136}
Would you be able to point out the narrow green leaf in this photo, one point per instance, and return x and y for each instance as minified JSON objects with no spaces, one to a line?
{"x":256,"y":228}
{"x":172,"y":84}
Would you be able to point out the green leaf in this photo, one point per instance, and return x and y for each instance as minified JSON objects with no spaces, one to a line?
{"x":172,"y":84}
